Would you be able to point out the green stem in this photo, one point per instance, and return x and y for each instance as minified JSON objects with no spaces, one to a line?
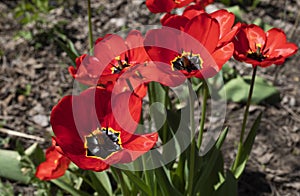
{"x":165,"y":126}
{"x":203,"y":114}
{"x":240,"y":146}
{"x":148,"y":174}
{"x":148,"y":181}
{"x":151,"y":95}
{"x":123,"y":185}
{"x":168,"y":103}
{"x":193,"y":143}
{"x":91,"y":42}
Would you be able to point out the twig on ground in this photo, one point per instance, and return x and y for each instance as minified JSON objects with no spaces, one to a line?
{"x":24,"y":135}
{"x":294,"y":115}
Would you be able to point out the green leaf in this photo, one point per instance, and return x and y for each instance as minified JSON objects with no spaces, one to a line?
{"x":174,"y":146}
{"x":236,"y":90}
{"x":24,"y":34}
{"x":176,"y":121}
{"x":237,"y":12}
{"x":6,"y":189}
{"x":262,"y":24}
{"x":69,"y":48}
{"x":221,"y":138}
{"x":35,"y":153}
{"x":211,"y":166}
{"x":257,"y":21}
{"x":63,"y":185}
{"x":137,"y":181}
{"x":225,"y":2}
{"x":165,"y":184}
{"x":97,"y":179}
{"x":229,"y":186}
{"x":163,"y":178}
{"x":255,"y":3}
{"x":263,"y":91}
{"x":196,"y":83}
{"x":246,"y":148}
{"x":104,"y":179}
{"x":178,"y":177}
{"x":157,"y":93}
{"x":10,"y":166}
{"x":267,"y":27}
{"x":228,"y":73}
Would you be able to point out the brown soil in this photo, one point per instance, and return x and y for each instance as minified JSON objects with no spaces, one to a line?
{"x":34,"y":77}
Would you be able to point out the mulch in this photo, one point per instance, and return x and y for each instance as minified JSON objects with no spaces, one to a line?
{"x":34,"y":76}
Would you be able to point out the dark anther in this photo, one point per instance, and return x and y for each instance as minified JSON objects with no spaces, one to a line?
{"x":126,"y":59}
{"x":102,"y":143}
{"x":187,"y":62}
{"x":256,"y":56}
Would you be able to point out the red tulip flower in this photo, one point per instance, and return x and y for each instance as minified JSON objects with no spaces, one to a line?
{"x":203,"y":3}
{"x":96,"y":129}
{"x":224,"y":18}
{"x":179,"y":54}
{"x":214,"y":31}
{"x":259,"y":48}
{"x":202,"y":47}
{"x":112,"y":57}
{"x":158,"y":6}
{"x":55,"y":165}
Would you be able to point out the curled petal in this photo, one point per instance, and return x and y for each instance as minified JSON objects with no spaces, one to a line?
{"x":55,"y":165}
{"x":277,"y":44}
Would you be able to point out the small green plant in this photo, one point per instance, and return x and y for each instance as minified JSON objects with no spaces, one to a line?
{"x":6,"y":189}
{"x":30,"y":11}
{"x":33,"y":16}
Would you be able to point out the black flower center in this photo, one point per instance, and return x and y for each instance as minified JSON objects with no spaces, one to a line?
{"x":187,"y":61}
{"x":257,"y":55}
{"x":102,"y":143}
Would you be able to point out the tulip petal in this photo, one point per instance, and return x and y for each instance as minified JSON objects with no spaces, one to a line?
{"x":205,"y":29}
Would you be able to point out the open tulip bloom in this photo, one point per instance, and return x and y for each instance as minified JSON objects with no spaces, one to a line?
{"x":198,"y":44}
{"x":259,"y":48}
{"x":93,"y":135}
{"x":112,"y":57}
{"x":225,"y":31}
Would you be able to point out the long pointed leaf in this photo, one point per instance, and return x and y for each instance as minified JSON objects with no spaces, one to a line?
{"x":69,"y":49}
{"x":97,"y":179}
{"x":221,"y":138}
{"x":163,"y":179}
{"x":136,"y":180}
{"x":214,"y":159}
{"x":247,"y":146}
{"x":69,"y":188}
{"x":230,"y":185}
